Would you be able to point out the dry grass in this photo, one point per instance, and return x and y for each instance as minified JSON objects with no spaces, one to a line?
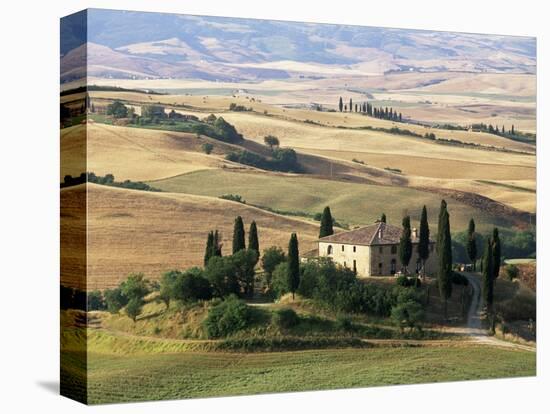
{"x":136,"y":231}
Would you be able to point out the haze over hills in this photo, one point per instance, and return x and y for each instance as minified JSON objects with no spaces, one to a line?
{"x":139,"y":45}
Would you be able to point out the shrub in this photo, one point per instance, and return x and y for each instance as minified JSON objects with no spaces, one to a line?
{"x":227,"y":317}
{"x":459,"y":279}
{"x":95,"y":301}
{"x":192,"y":286}
{"x":407,"y":313}
{"x":115,"y":300}
{"x":285,"y":318}
{"x":512,"y":272}
{"x":344,"y":323}
{"x":271,"y":257}
{"x":133,"y":308}
{"x":405,"y":281}
{"x":207,"y":147}
{"x":279,"y":280}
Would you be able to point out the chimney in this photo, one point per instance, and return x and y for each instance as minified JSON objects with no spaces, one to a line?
{"x":415,"y":233}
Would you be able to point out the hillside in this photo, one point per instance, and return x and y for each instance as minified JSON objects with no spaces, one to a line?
{"x":136,"y":231}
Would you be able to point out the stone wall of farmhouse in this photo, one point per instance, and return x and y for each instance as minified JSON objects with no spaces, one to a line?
{"x":374,"y":260}
{"x":348,"y":255}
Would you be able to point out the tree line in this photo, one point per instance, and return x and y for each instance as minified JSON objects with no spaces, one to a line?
{"x":367,"y":109}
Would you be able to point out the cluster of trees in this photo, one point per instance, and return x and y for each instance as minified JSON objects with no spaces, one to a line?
{"x":217,"y":128}
{"x":238,"y":108}
{"x":130,"y":295}
{"x":117,"y":110}
{"x":107,"y":179}
{"x":494,"y":129}
{"x":367,"y":109}
{"x":282,"y":159}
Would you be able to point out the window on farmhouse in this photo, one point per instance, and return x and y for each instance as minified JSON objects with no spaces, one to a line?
{"x":394,"y":249}
{"x":381,"y":249}
{"x":353,"y":249}
{"x":354,"y":266}
{"x":379,"y":268}
{"x":329,"y":250}
{"x":392,"y":268}
{"x":342,"y":247}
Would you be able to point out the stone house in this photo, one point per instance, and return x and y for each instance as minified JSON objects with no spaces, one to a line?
{"x":373,"y":250}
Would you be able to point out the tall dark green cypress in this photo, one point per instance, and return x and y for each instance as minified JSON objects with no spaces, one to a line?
{"x":424,"y":238}
{"x":488,"y":273}
{"x":253,"y":242}
{"x":383,"y":218}
{"x":217,"y":246}
{"x":238,"y":235}
{"x":350,"y":105}
{"x":326,"y":228}
{"x":496,"y":253}
{"x":209,"y":247}
{"x":445,"y":257}
{"x":405,"y":244}
{"x":471,"y":246}
{"x":340,"y":104}
{"x":293,"y":276}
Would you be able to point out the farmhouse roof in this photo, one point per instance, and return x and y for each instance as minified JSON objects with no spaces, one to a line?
{"x":375,"y":234}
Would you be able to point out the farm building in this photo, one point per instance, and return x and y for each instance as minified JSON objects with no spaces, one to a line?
{"x":373,"y":250}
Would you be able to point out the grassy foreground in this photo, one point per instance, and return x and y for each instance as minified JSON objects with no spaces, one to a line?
{"x":115,"y":378}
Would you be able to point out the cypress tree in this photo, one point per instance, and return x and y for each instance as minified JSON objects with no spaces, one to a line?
{"x":253,"y":242}
{"x":424,"y":238}
{"x":405,"y":244}
{"x":340,"y":104}
{"x":445,"y":256}
{"x":383,"y":218}
{"x":209,"y":247}
{"x":217,"y":248}
{"x":326,"y":223}
{"x":238,"y":235}
{"x":471,"y":246}
{"x":400,"y":117}
{"x":293,"y":276}
{"x":488,"y":273}
{"x":496,"y":253}
{"x":350,"y":105}
{"x":512,"y":131}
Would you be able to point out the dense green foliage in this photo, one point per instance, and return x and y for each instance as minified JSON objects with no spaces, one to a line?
{"x":285,"y":318}
{"x":424,"y":238}
{"x":445,"y":258}
{"x":471,"y":244}
{"x":495,"y":241}
{"x":253,"y":241}
{"x":117,"y":110}
{"x":488,"y":275}
{"x":405,"y":244}
{"x":293,"y":264}
{"x":227,"y":317}
{"x":271,"y":257}
{"x":282,"y":159}
{"x":238,"y":235}
{"x":326,"y":228}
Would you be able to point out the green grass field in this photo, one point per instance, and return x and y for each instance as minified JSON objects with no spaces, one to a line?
{"x":115,"y":378}
{"x":350,"y":203}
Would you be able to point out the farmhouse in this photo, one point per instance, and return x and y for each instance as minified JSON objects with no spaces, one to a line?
{"x":373,"y":250}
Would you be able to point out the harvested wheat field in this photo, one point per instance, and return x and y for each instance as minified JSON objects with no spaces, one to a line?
{"x":142,"y":154}
{"x":137,"y":231}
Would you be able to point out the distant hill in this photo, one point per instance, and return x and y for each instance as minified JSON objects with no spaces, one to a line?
{"x":139,"y":45}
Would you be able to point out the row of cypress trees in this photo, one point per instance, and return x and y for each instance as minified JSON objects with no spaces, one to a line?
{"x":214,"y":245}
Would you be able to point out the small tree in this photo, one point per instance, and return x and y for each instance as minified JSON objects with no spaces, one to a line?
{"x":167,"y":286}
{"x":405,"y":244}
{"x":496,"y":253}
{"x":208,"y":251}
{"x":340,"y":104}
{"x":238,"y":235}
{"x":326,"y":228}
{"x":253,"y":242}
{"x":270,"y":259}
{"x":488,"y":273}
{"x":293,"y":264}
{"x":350,"y":105}
{"x":244,"y":262}
{"x":424,"y":239}
{"x":133,"y":308}
{"x":271,"y":141}
{"x":471,"y":245}
{"x":445,"y":257}
{"x":207,"y":147}
{"x":383,"y":218}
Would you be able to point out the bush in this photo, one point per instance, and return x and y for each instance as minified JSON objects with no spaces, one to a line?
{"x":405,"y":281}
{"x":407,"y":313}
{"x":207,"y":147}
{"x":227,"y":317}
{"x":512,"y":271}
{"x":191,"y":286}
{"x":344,"y":323}
{"x":459,"y":279}
{"x":285,"y":318}
{"x":271,"y":257}
{"x":279,"y":280}
{"x":95,"y":301}
{"x":115,"y":300}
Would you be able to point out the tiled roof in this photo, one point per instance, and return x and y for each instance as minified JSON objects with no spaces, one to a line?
{"x":369,"y":235}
